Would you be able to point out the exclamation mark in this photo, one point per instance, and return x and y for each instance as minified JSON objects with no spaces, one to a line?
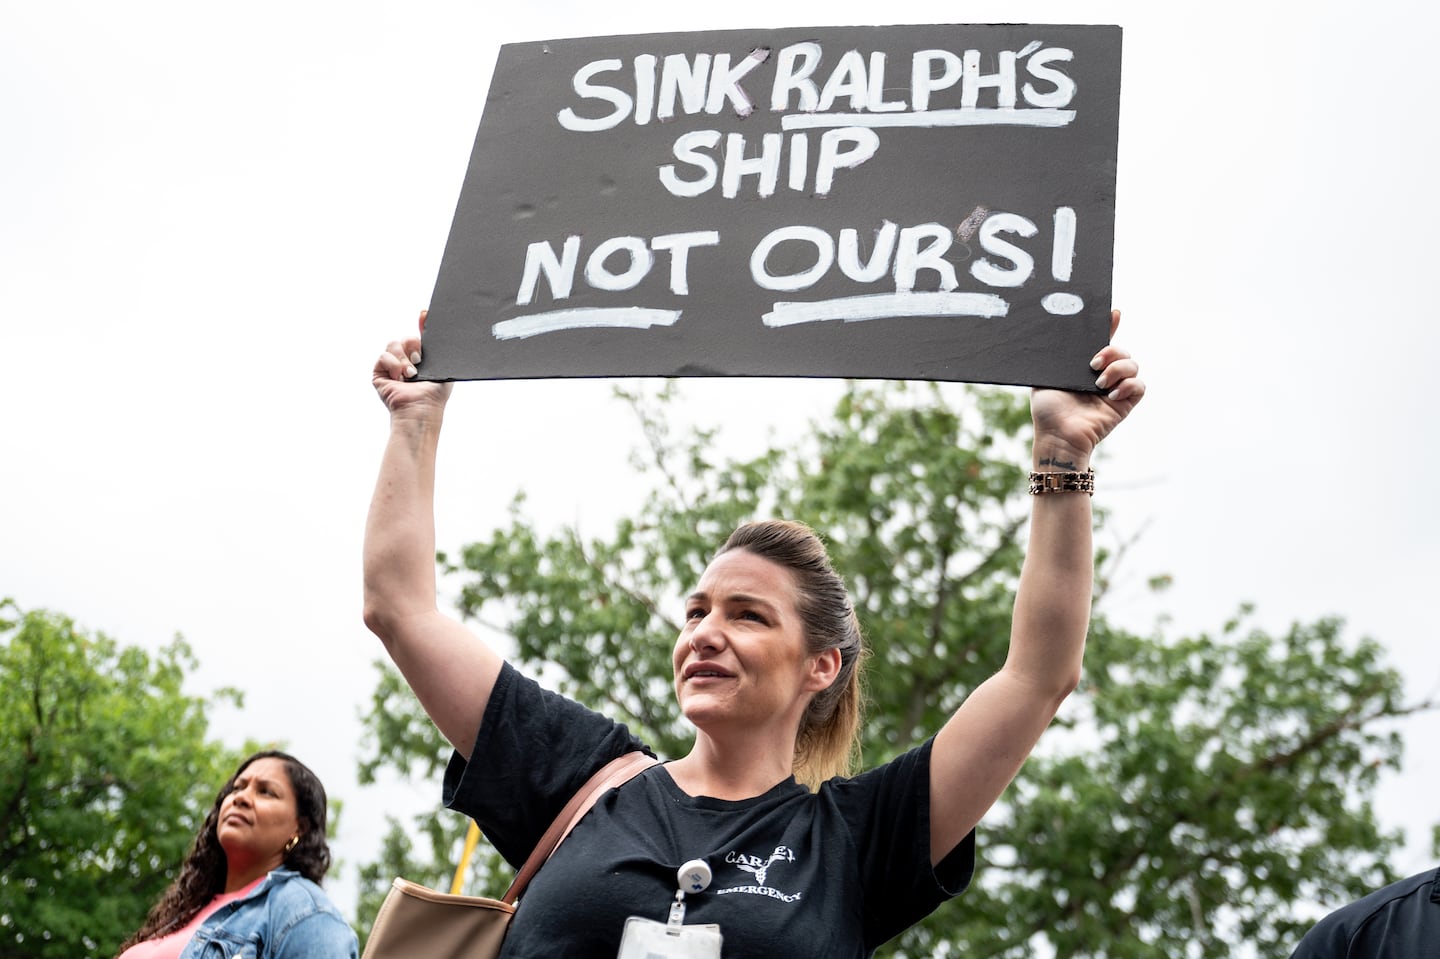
{"x":1062,"y":258}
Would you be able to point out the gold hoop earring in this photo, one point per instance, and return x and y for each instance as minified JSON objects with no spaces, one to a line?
{"x":294,"y":841}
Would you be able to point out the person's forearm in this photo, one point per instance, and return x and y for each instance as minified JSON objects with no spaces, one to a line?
{"x":399,"y":551}
{"x":1052,"y":603}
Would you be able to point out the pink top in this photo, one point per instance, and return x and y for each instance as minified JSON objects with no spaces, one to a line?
{"x":170,"y":947}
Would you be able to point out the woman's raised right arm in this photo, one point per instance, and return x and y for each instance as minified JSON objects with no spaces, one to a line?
{"x":451,"y":670}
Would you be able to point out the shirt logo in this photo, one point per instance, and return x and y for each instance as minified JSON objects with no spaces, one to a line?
{"x":760,"y":868}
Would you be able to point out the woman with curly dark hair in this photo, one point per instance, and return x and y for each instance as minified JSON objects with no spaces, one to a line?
{"x":252,"y":878}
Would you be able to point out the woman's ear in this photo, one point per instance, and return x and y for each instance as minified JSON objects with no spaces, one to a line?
{"x":824,"y":667}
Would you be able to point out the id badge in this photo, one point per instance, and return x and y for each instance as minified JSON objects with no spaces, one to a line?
{"x":648,"y":939}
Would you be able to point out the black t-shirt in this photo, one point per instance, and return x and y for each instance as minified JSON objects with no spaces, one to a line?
{"x":828,"y":874}
{"x":1401,"y":921}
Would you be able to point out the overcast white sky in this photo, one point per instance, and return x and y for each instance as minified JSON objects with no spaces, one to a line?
{"x":212,"y":217}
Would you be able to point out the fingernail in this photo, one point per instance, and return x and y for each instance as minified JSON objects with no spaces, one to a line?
{"x":1100,"y":381}
{"x":1095,"y":362}
{"x":409,"y":371}
{"x":415,"y":357}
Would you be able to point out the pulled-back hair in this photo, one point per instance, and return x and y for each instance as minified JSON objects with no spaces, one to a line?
{"x":828,"y":742}
{"x":202,"y":876}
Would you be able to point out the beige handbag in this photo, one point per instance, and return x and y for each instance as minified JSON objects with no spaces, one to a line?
{"x":416,"y":922}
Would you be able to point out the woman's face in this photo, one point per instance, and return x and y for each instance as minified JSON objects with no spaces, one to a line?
{"x":259,"y":815}
{"x":741,"y":659}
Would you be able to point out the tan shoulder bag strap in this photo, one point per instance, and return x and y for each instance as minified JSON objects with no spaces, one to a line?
{"x":614,"y":773}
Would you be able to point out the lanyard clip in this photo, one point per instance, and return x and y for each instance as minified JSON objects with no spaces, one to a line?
{"x":694,"y":876}
{"x":677,"y":909}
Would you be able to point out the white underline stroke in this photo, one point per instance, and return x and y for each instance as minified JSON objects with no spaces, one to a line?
{"x":989,"y":116}
{"x":615,"y":317}
{"x":875,"y":306}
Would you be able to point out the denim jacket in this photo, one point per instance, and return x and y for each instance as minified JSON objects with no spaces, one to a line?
{"x":286,"y":917}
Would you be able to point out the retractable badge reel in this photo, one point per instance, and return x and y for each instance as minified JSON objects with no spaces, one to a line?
{"x":647,"y":939}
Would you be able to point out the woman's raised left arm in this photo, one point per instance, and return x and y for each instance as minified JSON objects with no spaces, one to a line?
{"x":983,"y":745}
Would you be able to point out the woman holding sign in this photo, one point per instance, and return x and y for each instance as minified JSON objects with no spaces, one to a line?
{"x":795,"y":857}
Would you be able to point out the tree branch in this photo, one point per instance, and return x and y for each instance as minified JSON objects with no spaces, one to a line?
{"x":646,"y":602}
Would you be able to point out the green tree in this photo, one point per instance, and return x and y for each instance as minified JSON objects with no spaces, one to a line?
{"x":105,"y":777}
{"x":1204,"y":787}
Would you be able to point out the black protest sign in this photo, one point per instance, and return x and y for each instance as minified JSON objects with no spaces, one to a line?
{"x":909,"y":202}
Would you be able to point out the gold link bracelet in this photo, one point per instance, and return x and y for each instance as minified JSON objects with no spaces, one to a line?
{"x":1062,"y":482}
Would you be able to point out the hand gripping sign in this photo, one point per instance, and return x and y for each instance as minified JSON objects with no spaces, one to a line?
{"x":908,"y":202}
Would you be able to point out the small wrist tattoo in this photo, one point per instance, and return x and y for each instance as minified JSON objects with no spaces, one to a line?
{"x":1057,"y":464}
